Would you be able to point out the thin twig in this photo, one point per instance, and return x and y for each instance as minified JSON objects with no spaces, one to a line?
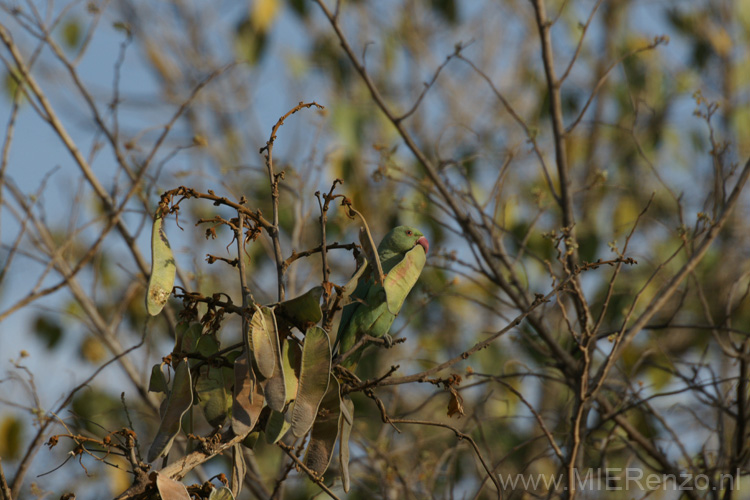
{"x":274,"y":180}
{"x":584,"y":29}
{"x":603,"y":78}
{"x":428,"y":85}
{"x":243,"y":283}
{"x":666,"y":292}
{"x":510,"y":286}
{"x":31,"y":451}
{"x":312,"y":475}
{"x":537,"y":416}
{"x":365,"y":339}
{"x":324,"y":205}
{"x":4,"y":488}
{"x":459,"y":435}
{"x":306,"y":253}
{"x":561,"y":158}
{"x":51,"y":117}
{"x":422,"y":376}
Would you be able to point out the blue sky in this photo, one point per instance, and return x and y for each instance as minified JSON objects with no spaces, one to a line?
{"x":37,"y":152}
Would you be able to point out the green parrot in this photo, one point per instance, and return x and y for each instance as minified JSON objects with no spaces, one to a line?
{"x":373,"y":308}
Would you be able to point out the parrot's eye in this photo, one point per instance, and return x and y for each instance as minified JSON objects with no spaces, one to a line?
{"x":408,"y":233}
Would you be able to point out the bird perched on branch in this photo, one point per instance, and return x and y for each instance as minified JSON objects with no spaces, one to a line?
{"x":374,"y":306}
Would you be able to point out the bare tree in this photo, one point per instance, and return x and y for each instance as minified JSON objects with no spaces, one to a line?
{"x":578,"y":167}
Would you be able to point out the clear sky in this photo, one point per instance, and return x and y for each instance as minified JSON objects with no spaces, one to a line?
{"x":37,"y":157}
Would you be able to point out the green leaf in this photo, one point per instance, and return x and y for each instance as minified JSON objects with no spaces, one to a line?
{"x":402,"y":278}
{"x":207,"y":345}
{"x":261,"y":340}
{"x":163,"y":269}
{"x":71,"y":33}
{"x":313,"y":379}
{"x":250,"y":43}
{"x":247,"y":401}
{"x":222,"y":493}
{"x":291,"y":358}
{"x":12,"y":82}
{"x":324,"y":430}
{"x":211,"y":386}
{"x":157,"y":382}
{"x":123,"y":27}
{"x":48,"y":331}
{"x":169,"y":489}
{"x":447,"y":9}
{"x":345,"y":430}
{"x":179,"y":333}
{"x":187,"y":342}
{"x":11,"y":437}
{"x":251,"y":439}
{"x":299,"y":7}
{"x":179,"y":402}
{"x":303,"y":311}
{"x":98,"y":410}
{"x":92,"y":349}
{"x":277,"y":426}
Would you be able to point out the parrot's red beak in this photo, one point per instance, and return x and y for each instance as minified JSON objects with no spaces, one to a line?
{"x":425,"y":244}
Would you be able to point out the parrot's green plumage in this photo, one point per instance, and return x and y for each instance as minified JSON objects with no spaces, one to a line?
{"x":374,"y":307}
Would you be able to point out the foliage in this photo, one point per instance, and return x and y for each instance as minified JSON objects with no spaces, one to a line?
{"x":579,"y":168}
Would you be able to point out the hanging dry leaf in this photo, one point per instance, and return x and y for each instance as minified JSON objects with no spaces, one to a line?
{"x":163,"y":268}
{"x":313,"y":379}
{"x":247,"y":401}
{"x":345,"y":429}
{"x":324,"y":430}
{"x":456,"y":404}
{"x":178,"y":403}
{"x":274,"y":387}
{"x":239,"y":469}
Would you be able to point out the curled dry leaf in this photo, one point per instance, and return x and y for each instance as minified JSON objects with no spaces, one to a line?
{"x":222,"y":493}
{"x":247,"y":401}
{"x":179,"y":401}
{"x":239,"y":469}
{"x":456,"y":403}
{"x":169,"y":489}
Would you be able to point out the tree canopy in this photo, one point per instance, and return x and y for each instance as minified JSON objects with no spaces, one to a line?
{"x":188,"y":191}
